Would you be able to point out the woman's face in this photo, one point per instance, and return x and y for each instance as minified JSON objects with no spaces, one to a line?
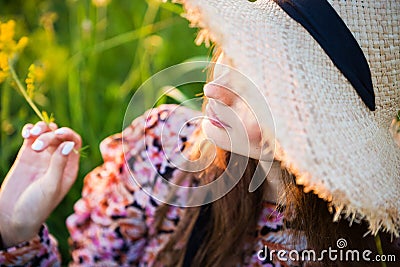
{"x":231,"y":122}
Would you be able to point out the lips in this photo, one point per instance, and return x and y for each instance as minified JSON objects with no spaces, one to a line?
{"x":213,"y":118}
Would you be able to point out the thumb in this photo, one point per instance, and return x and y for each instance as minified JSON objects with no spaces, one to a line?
{"x":36,"y":203}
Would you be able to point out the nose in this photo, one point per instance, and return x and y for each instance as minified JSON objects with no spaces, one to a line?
{"x":219,"y":93}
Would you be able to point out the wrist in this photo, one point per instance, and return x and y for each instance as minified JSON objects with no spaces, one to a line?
{"x":13,"y":234}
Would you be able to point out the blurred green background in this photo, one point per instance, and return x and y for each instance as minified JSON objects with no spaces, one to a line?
{"x":95,"y":54}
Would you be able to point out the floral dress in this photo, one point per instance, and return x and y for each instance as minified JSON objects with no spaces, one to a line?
{"x":113,"y":221}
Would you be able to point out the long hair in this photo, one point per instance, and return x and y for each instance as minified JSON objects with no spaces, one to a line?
{"x":313,"y":217}
{"x":234,"y":217}
{"x":231,"y":224}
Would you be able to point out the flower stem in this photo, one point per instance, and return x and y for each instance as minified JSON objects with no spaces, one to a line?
{"x":22,"y":90}
{"x":378,"y":244}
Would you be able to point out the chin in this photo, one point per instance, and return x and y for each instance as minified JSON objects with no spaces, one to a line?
{"x":217,"y":135}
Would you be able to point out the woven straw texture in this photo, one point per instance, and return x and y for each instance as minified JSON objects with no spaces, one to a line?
{"x":325,"y":134}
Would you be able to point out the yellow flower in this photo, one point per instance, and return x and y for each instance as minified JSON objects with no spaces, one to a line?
{"x":3,"y":61}
{"x":21,"y":44}
{"x":35,"y":76}
{"x":3,"y":66}
{"x":9,"y":47}
{"x":7,"y":31}
{"x":30,"y":81}
{"x":3,"y":76}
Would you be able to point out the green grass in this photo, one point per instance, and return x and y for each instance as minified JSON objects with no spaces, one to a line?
{"x":95,"y":59}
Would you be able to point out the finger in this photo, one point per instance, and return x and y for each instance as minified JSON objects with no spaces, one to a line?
{"x":41,"y":127}
{"x":28,"y":137}
{"x":70,"y":174}
{"x":26,"y":130}
{"x":44,"y":194}
{"x":53,"y":126}
{"x":69,"y":134}
{"x":52,"y":180}
{"x":54,"y":139}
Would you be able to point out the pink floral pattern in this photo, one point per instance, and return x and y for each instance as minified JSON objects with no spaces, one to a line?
{"x":113,"y":222}
{"x":40,"y":251}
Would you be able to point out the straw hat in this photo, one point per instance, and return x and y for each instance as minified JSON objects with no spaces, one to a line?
{"x":325,"y":134}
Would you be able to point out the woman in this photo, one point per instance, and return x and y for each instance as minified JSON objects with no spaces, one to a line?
{"x":117,"y":223}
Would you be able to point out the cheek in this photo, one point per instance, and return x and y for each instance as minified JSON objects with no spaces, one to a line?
{"x":254,"y":133}
{"x":252,"y":126}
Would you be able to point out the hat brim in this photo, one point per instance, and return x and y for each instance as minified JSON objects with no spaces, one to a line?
{"x":325,"y":134}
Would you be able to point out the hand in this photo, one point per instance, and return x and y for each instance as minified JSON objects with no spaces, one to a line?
{"x":44,"y":171}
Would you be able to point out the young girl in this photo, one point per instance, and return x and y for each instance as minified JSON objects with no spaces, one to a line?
{"x":119,"y":222}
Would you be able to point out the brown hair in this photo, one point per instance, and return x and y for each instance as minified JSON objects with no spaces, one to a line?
{"x":232,"y":222}
{"x":233,"y":217}
{"x":314,"y":218}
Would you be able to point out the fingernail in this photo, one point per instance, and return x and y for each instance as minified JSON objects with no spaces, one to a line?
{"x":25,"y":133}
{"x":67,"y":148}
{"x":37,"y":145}
{"x":36,"y":130}
{"x":60,"y":131}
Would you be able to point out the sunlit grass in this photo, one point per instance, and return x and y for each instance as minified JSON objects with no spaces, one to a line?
{"x":94,"y":59}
